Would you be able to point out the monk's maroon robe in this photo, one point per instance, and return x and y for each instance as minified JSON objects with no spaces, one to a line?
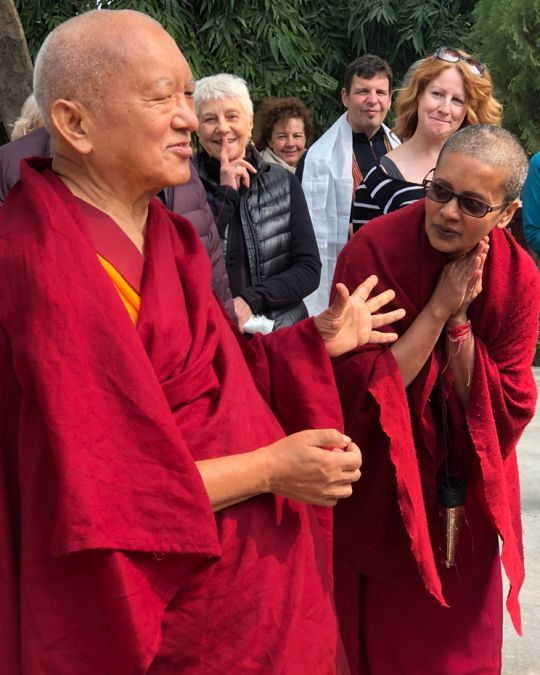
{"x":389,"y":536}
{"x":111,"y":560}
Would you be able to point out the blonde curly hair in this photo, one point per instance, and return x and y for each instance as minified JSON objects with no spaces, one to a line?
{"x":482,"y":107}
{"x":28,"y":120}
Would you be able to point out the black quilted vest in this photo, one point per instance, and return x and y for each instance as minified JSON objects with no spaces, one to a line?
{"x":265,"y":209}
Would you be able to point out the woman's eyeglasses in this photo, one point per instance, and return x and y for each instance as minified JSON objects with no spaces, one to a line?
{"x":453,"y":56}
{"x":470,"y":206}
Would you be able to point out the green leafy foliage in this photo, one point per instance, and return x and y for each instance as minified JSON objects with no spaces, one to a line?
{"x":507,"y":34}
{"x":285,"y":47}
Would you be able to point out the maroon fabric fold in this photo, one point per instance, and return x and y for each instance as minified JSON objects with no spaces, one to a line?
{"x":112,"y":560}
{"x":393,"y":511}
{"x":113,"y":244}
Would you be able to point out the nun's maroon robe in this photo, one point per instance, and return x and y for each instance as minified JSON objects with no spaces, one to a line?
{"x":391,"y":584}
{"x":111,"y":560}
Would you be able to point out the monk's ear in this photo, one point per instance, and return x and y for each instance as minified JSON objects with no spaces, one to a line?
{"x":345,"y":97}
{"x":69,"y":120}
{"x":508,"y":213}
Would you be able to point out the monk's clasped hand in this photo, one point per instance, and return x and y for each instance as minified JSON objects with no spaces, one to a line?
{"x":316,"y":466}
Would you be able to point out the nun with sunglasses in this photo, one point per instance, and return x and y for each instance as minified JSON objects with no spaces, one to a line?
{"x":442,"y":93}
{"x":438,"y":414}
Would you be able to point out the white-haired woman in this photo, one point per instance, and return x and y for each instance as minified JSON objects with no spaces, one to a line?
{"x":270,"y":249}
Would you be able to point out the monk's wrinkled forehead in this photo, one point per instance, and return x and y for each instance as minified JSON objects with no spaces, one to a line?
{"x":128,"y":35}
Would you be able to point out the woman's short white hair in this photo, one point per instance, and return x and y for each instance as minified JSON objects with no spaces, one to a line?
{"x":218,"y":87}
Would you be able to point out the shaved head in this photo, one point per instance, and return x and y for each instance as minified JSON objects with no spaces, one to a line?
{"x":116,"y":94}
{"x":495,"y":146}
{"x":79,"y":58}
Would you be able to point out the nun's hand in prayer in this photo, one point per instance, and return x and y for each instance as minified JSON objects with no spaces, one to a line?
{"x":351,"y":320}
{"x":460,"y":283}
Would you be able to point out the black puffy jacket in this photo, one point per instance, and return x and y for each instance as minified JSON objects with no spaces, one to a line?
{"x":282,"y":255}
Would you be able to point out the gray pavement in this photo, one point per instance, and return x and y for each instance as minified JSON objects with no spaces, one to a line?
{"x":521,"y":655}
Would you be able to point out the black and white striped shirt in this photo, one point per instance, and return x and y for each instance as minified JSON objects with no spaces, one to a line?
{"x":379,"y":193}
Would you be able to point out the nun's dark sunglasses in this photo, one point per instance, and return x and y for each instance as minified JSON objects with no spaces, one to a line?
{"x":470,"y":206}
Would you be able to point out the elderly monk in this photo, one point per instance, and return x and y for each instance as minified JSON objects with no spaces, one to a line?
{"x":438,"y":415}
{"x":155,"y":517}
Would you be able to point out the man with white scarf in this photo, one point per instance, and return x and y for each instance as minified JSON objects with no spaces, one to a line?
{"x":335,"y":165}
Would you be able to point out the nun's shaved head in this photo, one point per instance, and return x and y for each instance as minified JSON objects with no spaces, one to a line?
{"x":494,"y":146}
{"x":79,"y":58}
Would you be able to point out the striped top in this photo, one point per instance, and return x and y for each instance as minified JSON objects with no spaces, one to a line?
{"x":380,"y":193}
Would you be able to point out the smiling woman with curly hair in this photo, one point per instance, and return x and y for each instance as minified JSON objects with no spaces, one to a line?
{"x":283,"y":128}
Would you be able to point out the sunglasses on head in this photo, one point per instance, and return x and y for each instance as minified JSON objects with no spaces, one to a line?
{"x":470,"y":206}
{"x":453,"y":56}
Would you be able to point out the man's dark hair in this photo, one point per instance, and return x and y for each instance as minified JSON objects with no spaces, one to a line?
{"x":366,"y":66}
